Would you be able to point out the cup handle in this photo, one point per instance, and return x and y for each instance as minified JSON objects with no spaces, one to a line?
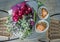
{"x":54,"y":14}
{"x":3,"y":11}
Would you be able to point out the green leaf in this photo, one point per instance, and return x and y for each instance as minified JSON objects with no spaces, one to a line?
{"x":35,"y":16}
{"x":39,"y":4}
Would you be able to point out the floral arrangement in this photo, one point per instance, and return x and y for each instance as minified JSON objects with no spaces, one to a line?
{"x":21,"y":20}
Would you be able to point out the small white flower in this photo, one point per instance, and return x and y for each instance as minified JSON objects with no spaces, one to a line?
{"x":26,"y":0}
{"x":10,"y":12}
{"x":20,"y":34}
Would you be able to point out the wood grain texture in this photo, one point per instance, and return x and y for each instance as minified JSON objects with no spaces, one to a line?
{"x":3,"y":28}
{"x":54,"y":30}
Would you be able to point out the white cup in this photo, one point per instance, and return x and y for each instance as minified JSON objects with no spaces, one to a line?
{"x":45,"y":28}
{"x":39,"y":12}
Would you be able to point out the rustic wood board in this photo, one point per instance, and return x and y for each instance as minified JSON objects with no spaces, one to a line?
{"x":54,"y":30}
{"x":3,"y":28}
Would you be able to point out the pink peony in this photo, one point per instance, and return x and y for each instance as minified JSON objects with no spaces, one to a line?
{"x":29,"y":9}
{"x":19,"y":10}
{"x":15,"y":18}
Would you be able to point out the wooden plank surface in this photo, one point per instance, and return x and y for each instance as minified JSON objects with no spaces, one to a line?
{"x":3,"y":28}
{"x":54,"y":30}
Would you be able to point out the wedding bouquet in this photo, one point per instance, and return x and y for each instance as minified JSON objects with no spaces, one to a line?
{"x":21,"y":20}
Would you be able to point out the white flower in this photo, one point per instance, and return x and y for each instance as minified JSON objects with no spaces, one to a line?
{"x":26,"y":0}
{"x":18,"y":34}
{"x":10,"y":12}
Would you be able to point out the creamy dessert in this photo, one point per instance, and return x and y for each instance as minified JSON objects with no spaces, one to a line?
{"x":41,"y":26}
{"x":44,"y":13}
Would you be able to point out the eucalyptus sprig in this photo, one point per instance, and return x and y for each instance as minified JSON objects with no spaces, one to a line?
{"x":40,"y":3}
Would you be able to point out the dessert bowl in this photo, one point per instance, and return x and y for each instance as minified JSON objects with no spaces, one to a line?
{"x":43,"y":12}
{"x":41,"y":26}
